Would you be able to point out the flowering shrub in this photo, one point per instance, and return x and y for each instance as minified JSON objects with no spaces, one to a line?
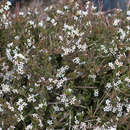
{"x":66,"y":70}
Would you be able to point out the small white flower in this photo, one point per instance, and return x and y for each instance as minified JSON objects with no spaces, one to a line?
{"x":108,"y":101}
{"x":49,"y":122}
{"x":1,"y":10}
{"x":116,"y":22}
{"x":46,"y":9}
{"x":128,"y":108}
{"x":29,"y":127}
{"x":96,"y":93}
{"x":111,"y":65}
{"x":1,"y":110}
{"x":128,"y":12}
{"x":119,"y":64}
{"x":93,"y":77}
{"x":8,"y":3}
{"x":5,"y":88}
{"x":48,"y":19}
{"x":76,"y":60}
{"x":61,"y":38}
{"x":31,"y":22}
{"x":40,"y":24}
{"x":127,"y":79}
{"x":60,"y":12}
{"x":108,"y":85}
{"x":21,"y":13}
{"x":65,"y":7}
{"x":6,"y":7}
{"x":122,"y":33}
{"x":17,"y":37}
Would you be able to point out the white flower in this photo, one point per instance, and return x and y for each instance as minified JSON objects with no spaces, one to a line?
{"x":96,"y":93}
{"x":61,"y":38}
{"x":1,"y":10}
{"x":83,"y":126}
{"x":9,"y":106}
{"x":128,"y":12}
{"x":116,"y":22}
{"x":56,"y":108}
{"x":53,"y":22}
{"x":82,"y":47}
{"x":50,"y":87}
{"x":92,"y":76}
{"x":122,"y":33}
{"x":31,"y":22}
{"x":49,"y":122}
{"x":6,"y":7}
{"x":128,"y":108}
{"x":29,"y":127}
{"x":48,"y":19}
{"x":60,"y":12}
{"x":65,"y":7}
{"x":21,"y":13}
{"x":17,"y":37}
{"x":108,"y":108}
{"x":31,"y":98}
{"x":72,"y":101}
{"x":108,"y":85}
{"x":40,"y":24}
{"x":20,"y":118}
{"x":111,"y":65}
{"x":46,"y":9}
{"x":76,"y":60}
{"x":75,"y":18}
{"x":119,"y":64}
{"x":1,"y":110}
{"x":108,"y":102}
{"x":5,"y":88}
{"x":127,"y":79}
{"x":8,"y":3}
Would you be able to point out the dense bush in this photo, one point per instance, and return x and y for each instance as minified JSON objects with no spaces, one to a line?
{"x":65,"y":70}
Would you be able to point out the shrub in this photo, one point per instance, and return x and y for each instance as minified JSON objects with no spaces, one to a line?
{"x":67,"y":69}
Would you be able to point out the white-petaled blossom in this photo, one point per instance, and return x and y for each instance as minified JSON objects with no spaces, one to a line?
{"x":29,"y":127}
{"x":5,"y":88}
{"x":82,"y":47}
{"x":116,"y":22}
{"x":6,"y":7}
{"x":111,"y":65}
{"x":8,"y":3}
{"x":96,"y":92}
{"x":21,"y":104}
{"x":76,"y":60}
{"x":128,"y":15}
{"x":10,"y":107}
{"x":48,"y":19}
{"x":72,"y":100}
{"x":61,"y":71}
{"x":108,"y":85}
{"x":40,"y":24}
{"x":31,"y":22}
{"x":31,"y":98}
{"x":92,"y":76}
{"x":108,"y":108}
{"x":127,"y":79}
{"x":119,"y":64}
{"x":21,"y":13}
{"x":1,"y":110}
{"x":60,"y":12}
{"x":122,"y":33}
{"x":49,"y":122}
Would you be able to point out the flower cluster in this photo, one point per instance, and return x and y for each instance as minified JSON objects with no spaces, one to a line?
{"x":64,"y":67}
